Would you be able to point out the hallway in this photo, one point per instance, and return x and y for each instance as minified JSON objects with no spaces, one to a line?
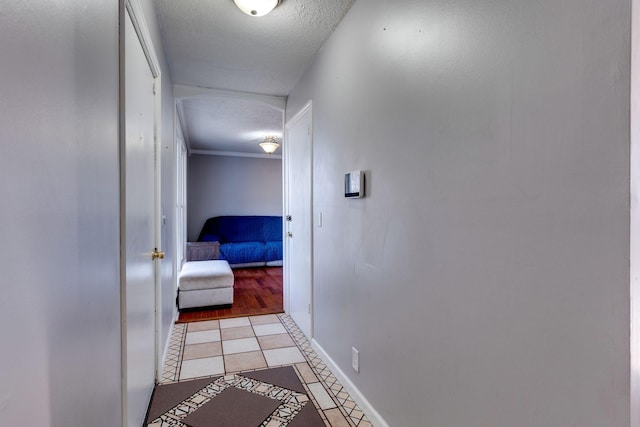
{"x":232,"y":347}
{"x":499,"y":151}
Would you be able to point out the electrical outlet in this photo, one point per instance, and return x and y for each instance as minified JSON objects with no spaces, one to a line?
{"x":355,"y":359}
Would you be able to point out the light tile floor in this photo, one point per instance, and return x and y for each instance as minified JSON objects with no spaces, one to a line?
{"x":227,"y":346}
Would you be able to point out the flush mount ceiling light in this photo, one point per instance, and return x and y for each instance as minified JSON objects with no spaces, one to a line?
{"x":256,"y":7}
{"x":269,"y":145}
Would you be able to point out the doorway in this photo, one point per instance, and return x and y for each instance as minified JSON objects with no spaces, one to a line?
{"x":139,"y":217}
{"x":298,"y":247}
{"x":229,"y":174}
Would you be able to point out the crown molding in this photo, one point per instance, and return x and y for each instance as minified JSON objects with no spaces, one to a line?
{"x":236,"y":154}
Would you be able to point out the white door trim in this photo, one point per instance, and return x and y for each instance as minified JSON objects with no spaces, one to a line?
{"x":142,"y":30}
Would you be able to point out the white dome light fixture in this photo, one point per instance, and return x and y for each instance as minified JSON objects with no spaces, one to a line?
{"x":256,"y":7}
{"x":269,"y":145}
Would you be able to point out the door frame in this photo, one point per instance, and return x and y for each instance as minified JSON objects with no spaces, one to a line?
{"x":308,"y":107}
{"x":135,"y":13}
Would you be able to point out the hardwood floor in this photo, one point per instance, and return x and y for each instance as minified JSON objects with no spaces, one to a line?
{"x":255,"y":291}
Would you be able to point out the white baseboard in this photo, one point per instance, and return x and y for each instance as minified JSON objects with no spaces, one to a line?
{"x":374,"y":417}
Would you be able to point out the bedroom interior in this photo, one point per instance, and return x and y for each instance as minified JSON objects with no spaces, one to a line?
{"x":229,"y":174}
{"x":238,"y":196}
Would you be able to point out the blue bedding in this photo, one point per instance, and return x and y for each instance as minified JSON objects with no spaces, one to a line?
{"x":245,"y":239}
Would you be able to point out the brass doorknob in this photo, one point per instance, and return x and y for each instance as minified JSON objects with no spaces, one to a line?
{"x":157,"y":254}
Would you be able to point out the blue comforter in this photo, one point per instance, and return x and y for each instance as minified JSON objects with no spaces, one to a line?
{"x":245,"y":239}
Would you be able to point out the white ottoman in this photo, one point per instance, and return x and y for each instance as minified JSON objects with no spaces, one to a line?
{"x":205,"y":283}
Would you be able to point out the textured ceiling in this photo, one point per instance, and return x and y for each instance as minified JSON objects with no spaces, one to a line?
{"x":212,"y":44}
{"x":231,"y":125}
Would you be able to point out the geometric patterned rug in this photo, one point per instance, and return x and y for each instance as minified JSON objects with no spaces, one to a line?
{"x":328,"y":397}
{"x":265,"y":398}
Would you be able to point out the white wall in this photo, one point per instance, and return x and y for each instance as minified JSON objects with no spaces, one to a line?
{"x":219,"y":185}
{"x":485,"y":277}
{"x":60,"y":364}
{"x":60,"y":302}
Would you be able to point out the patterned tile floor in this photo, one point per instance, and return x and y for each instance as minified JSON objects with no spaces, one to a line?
{"x":229,"y":346}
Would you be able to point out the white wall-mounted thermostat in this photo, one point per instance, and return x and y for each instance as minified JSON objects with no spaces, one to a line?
{"x":354,"y":184}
